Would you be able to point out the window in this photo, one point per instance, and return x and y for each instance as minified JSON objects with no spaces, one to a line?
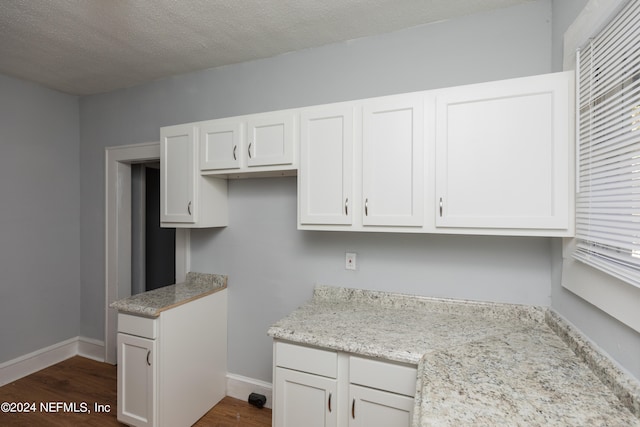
{"x":608,"y":199}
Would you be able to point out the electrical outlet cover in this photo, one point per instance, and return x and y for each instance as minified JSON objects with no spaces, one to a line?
{"x":350,"y":261}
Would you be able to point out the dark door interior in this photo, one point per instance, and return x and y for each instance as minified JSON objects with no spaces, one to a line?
{"x":160,"y":243}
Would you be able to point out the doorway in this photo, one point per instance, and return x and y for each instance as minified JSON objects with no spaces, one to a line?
{"x":118,"y":232}
{"x":153,"y":248}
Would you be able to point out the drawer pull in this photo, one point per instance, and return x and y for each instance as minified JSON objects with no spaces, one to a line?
{"x":346,"y":206}
{"x":148,"y":354}
{"x":366,"y":207}
{"x":249,"y":150}
{"x":329,"y":402}
{"x":189,"y":208}
{"x":353,"y":409}
{"x":234,"y":152}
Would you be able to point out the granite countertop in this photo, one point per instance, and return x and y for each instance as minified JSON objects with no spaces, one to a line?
{"x":152,"y":303}
{"x":478,"y":363}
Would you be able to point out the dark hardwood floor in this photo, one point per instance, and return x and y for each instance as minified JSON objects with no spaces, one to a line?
{"x":81,"y":384}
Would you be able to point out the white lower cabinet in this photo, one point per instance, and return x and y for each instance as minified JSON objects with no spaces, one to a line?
{"x":172,"y":369}
{"x":376,"y":408}
{"x":137,"y":374}
{"x":317,"y":387}
{"x":305,"y":400}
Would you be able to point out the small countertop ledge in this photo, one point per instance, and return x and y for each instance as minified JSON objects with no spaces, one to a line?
{"x":152,"y":303}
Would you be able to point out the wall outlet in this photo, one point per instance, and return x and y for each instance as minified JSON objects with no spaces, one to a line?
{"x":350,"y":261}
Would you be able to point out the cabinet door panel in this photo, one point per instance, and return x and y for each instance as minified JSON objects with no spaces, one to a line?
{"x":326,"y":166}
{"x":502,"y":154}
{"x":304,"y":400}
{"x":270,"y":139}
{"x":392,"y":161}
{"x":136,"y":380}
{"x":177,"y":174}
{"x":375,"y":408}
{"x":220,"y":145}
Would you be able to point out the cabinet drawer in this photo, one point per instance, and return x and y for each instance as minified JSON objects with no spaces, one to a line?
{"x":137,"y":325}
{"x":387,"y":376}
{"x":307,"y":359}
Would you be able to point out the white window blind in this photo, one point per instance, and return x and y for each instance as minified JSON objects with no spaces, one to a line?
{"x":608,"y":199}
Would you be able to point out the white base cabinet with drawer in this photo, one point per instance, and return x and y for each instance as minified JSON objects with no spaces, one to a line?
{"x":172,"y":369}
{"x":323,"y":388}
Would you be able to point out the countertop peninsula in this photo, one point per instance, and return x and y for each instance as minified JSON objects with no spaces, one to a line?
{"x":478,"y":363}
{"x":152,"y":303}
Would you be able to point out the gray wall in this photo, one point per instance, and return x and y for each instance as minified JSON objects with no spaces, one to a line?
{"x":618,"y":340}
{"x":272,"y":267}
{"x":39,"y":218}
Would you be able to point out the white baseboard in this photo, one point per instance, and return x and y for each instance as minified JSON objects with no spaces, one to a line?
{"x":91,"y":348}
{"x":238,"y":386}
{"x":241,"y":387}
{"x":22,"y":366}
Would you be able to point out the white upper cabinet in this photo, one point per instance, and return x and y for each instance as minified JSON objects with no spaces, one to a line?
{"x":393,"y":161}
{"x":248,"y":145}
{"x":177,"y":177}
{"x":221,"y":144}
{"x":503,"y":157}
{"x":270,"y":139}
{"x":186,"y":198}
{"x":362,"y":165}
{"x":325,"y":179}
{"x":492,"y":158}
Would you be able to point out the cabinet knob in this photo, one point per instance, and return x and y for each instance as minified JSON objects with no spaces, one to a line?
{"x":189,"y":207}
{"x":249,"y":150}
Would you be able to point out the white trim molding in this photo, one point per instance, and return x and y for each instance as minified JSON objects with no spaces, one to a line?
{"x":22,"y":366}
{"x":240,"y":387}
{"x":91,"y":348}
{"x":118,"y":162}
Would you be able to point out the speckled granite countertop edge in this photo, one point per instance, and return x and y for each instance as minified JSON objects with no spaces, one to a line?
{"x":153,"y":303}
{"x":626,"y":388}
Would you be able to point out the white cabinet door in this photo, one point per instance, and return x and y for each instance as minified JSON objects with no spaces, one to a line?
{"x":188,"y":199}
{"x":178,"y":185}
{"x":270,"y":139}
{"x":221,"y":144}
{"x":503,"y":154}
{"x":392,"y":161}
{"x":325,"y":178}
{"x":303,"y":399}
{"x":375,"y":408}
{"x":137,"y":380}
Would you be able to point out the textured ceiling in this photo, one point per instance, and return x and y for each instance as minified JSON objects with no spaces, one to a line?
{"x":92,"y":46}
